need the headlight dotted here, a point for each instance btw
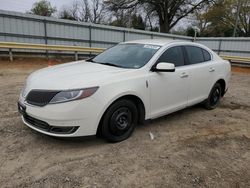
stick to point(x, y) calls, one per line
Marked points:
point(70, 95)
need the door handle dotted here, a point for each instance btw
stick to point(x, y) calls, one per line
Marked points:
point(211, 69)
point(184, 75)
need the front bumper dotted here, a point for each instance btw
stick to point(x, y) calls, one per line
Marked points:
point(44, 126)
point(71, 119)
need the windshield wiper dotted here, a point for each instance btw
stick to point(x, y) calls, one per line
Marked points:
point(90, 59)
point(110, 64)
point(102, 63)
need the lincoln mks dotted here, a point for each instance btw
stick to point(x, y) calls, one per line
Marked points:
point(108, 95)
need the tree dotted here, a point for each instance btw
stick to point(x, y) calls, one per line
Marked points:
point(190, 32)
point(85, 11)
point(121, 18)
point(169, 12)
point(43, 8)
point(70, 13)
point(91, 11)
point(201, 20)
point(244, 17)
point(151, 19)
point(220, 18)
point(137, 22)
point(65, 14)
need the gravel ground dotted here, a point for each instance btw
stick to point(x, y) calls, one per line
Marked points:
point(192, 148)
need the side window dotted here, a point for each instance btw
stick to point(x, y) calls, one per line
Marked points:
point(173, 55)
point(195, 54)
point(207, 55)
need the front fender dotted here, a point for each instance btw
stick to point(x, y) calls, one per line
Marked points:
point(108, 94)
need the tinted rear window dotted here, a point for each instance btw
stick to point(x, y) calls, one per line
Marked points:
point(207, 55)
point(195, 54)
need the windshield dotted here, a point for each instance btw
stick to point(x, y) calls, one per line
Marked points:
point(127, 55)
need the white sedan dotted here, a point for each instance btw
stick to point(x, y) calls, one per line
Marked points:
point(131, 82)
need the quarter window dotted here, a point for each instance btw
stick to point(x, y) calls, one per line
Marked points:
point(173, 55)
point(195, 54)
point(207, 56)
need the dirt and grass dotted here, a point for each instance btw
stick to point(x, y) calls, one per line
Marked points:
point(191, 148)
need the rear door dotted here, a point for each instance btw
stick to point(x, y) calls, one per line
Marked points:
point(201, 70)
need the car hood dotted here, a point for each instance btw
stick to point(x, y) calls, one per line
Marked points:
point(80, 74)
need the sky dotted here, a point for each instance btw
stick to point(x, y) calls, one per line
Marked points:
point(24, 5)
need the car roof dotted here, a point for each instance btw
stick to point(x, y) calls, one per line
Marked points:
point(163, 42)
point(160, 42)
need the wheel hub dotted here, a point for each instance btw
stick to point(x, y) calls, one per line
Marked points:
point(120, 121)
point(215, 96)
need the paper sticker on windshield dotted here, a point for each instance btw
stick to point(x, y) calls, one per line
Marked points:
point(151, 47)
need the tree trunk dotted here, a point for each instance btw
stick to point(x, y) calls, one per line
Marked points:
point(248, 30)
point(164, 26)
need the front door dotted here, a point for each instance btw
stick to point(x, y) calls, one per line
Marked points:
point(168, 90)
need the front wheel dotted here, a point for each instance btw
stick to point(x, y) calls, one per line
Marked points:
point(119, 121)
point(214, 97)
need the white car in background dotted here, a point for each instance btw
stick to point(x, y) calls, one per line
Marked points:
point(121, 87)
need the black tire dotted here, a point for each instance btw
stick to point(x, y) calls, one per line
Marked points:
point(119, 121)
point(214, 97)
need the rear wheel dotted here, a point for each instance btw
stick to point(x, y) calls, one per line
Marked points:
point(119, 121)
point(214, 97)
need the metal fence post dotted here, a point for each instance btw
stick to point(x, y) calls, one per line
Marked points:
point(11, 54)
point(219, 47)
point(124, 35)
point(76, 55)
point(45, 36)
point(90, 38)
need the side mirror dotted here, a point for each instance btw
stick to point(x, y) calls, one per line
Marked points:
point(164, 67)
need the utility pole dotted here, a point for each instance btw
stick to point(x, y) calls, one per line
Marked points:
point(237, 19)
